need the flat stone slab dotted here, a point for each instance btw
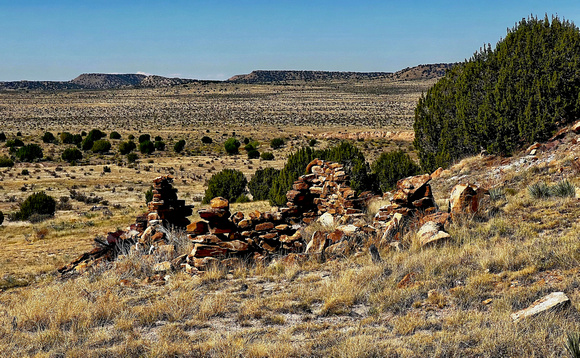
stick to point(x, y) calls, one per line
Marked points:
point(552, 301)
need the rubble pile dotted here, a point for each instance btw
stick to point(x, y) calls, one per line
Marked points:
point(322, 196)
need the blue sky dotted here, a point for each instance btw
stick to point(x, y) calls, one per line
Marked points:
point(60, 39)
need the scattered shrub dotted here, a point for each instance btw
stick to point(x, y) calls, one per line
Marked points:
point(232, 145)
point(295, 167)
point(496, 193)
point(101, 146)
point(24, 172)
point(253, 154)
point(246, 140)
point(14, 143)
point(37, 203)
point(48, 137)
point(77, 139)
point(276, 143)
point(1, 217)
point(206, 140)
point(249, 146)
point(29, 153)
point(131, 137)
point(159, 145)
point(539, 190)
point(6, 162)
point(144, 138)
point(127, 147)
point(563, 189)
point(178, 147)
point(2, 137)
point(114, 135)
point(149, 195)
point(158, 138)
point(71, 154)
point(312, 142)
point(392, 166)
point(132, 157)
point(67, 138)
point(95, 135)
point(87, 144)
point(267, 156)
point(106, 169)
point(146, 147)
point(228, 183)
point(261, 183)
point(573, 344)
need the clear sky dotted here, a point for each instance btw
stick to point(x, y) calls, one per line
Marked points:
point(60, 39)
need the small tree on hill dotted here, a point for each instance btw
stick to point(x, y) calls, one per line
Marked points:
point(178, 147)
point(146, 147)
point(37, 203)
point(261, 183)
point(232, 145)
point(392, 166)
point(29, 153)
point(228, 183)
point(48, 137)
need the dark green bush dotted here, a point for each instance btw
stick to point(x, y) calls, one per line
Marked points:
point(2, 137)
point(48, 137)
point(392, 166)
point(37, 203)
point(206, 140)
point(1, 217)
point(149, 195)
point(261, 183)
point(14, 143)
point(101, 146)
point(71, 154)
point(158, 138)
point(246, 140)
point(503, 98)
point(249, 146)
point(228, 183)
point(146, 147)
point(312, 142)
point(95, 135)
point(132, 157)
point(267, 156)
point(159, 145)
point(114, 135)
point(144, 138)
point(66, 138)
point(87, 144)
point(24, 172)
point(295, 167)
point(127, 147)
point(29, 153)
point(253, 154)
point(77, 139)
point(6, 162)
point(178, 147)
point(232, 145)
point(131, 137)
point(276, 143)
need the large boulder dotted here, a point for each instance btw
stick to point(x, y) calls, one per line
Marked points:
point(466, 199)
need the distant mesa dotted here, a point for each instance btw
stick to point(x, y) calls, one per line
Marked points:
point(97, 81)
point(274, 76)
point(104, 81)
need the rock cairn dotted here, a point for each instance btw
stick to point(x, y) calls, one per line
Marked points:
point(323, 190)
point(165, 210)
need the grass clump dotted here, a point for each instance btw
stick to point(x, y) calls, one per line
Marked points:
point(562, 189)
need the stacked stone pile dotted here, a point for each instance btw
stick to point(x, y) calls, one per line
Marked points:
point(413, 207)
point(324, 189)
point(222, 235)
point(148, 231)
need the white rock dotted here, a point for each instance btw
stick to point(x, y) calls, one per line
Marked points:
point(552, 301)
point(326, 219)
